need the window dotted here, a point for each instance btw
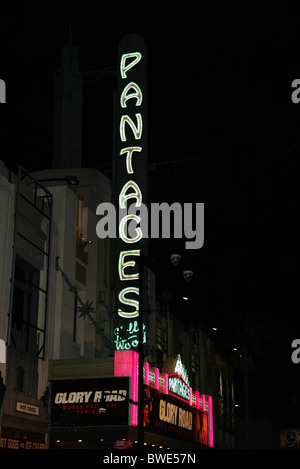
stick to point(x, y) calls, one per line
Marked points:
point(25, 305)
point(194, 369)
point(161, 345)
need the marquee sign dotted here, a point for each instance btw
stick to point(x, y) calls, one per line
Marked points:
point(170, 417)
point(90, 402)
point(170, 404)
point(130, 181)
point(178, 387)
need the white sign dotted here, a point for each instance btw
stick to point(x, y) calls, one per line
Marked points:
point(2, 351)
point(2, 91)
point(27, 408)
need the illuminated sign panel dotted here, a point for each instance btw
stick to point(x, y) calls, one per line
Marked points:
point(130, 183)
point(171, 417)
point(178, 387)
point(90, 402)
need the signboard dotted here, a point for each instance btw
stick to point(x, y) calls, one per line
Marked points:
point(178, 387)
point(27, 408)
point(90, 402)
point(20, 443)
point(130, 187)
point(174, 418)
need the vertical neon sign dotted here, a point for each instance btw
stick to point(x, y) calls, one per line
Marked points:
point(130, 186)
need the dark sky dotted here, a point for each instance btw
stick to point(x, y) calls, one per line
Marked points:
point(222, 130)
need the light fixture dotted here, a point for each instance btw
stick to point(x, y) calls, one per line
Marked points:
point(175, 259)
point(185, 298)
point(214, 329)
point(188, 275)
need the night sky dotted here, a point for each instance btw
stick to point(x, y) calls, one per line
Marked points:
point(222, 130)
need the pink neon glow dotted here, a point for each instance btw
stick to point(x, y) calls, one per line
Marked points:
point(210, 421)
point(197, 400)
point(147, 373)
point(135, 387)
point(156, 378)
point(126, 364)
point(166, 383)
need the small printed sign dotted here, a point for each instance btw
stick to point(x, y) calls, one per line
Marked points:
point(27, 408)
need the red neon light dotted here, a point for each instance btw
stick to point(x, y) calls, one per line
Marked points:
point(197, 400)
point(135, 387)
point(126, 364)
point(191, 396)
point(156, 378)
point(210, 421)
point(147, 373)
point(166, 383)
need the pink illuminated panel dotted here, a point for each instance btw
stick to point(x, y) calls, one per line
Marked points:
point(166, 384)
point(147, 373)
point(197, 400)
point(126, 364)
point(135, 387)
point(157, 383)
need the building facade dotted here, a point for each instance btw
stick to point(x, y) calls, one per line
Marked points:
point(58, 324)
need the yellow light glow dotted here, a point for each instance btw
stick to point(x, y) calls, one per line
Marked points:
point(136, 194)
point(136, 129)
point(123, 265)
point(123, 67)
point(137, 94)
point(129, 302)
point(129, 151)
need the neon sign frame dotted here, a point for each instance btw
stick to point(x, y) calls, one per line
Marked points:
point(130, 181)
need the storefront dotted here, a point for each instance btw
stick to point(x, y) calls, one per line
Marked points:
point(25, 428)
